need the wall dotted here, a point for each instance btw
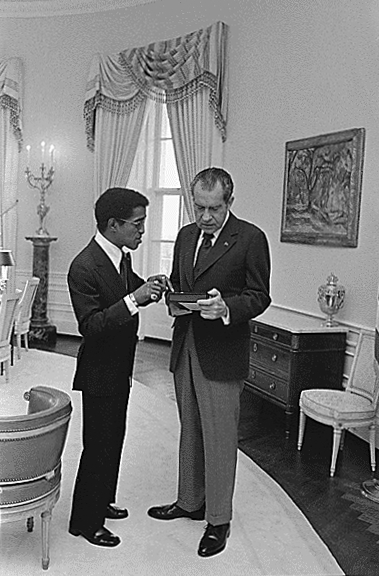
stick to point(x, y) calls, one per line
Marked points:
point(297, 69)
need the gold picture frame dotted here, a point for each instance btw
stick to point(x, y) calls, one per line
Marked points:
point(322, 189)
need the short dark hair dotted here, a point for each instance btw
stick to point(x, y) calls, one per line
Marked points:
point(117, 203)
point(209, 177)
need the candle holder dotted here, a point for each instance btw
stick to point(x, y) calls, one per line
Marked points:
point(331, 298)
point(41, 183)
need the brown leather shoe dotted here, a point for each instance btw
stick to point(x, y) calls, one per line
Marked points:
point(173, 511)
point(214, 540)
point(102, 537)
point(115, 513)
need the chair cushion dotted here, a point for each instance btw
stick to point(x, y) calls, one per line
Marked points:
point(336, 404)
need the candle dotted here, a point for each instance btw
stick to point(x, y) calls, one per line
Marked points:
point(43, 152)
point(28, 155)
point(51, 152)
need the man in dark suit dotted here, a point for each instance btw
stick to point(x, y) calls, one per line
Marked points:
point(227, 258)
point(105, 294)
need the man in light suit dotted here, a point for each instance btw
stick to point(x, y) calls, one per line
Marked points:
point(227, 258)
point(105, 294)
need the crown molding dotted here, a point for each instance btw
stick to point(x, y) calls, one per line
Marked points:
point(41, 8)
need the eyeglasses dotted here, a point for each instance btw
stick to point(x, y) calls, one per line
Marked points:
point(139, 225)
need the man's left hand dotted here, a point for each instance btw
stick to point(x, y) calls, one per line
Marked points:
point(214, 307)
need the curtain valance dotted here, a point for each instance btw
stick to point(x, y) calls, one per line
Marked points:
point(10, 93)
point(166, 71)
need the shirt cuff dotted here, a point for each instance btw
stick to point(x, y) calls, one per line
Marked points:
point(133, 309)
point(226, 319)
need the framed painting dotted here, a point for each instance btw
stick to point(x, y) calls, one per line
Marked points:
point(322, 189)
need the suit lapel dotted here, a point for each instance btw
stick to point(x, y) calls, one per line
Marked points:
point(189, 254)
point(228, 237)
point(107, 270)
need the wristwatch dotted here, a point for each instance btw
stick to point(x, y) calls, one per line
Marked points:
point(133, 300)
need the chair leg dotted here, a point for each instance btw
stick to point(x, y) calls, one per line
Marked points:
point(45, 526)
point(26, 342)
point(18, 340)
point(6, 370)
point(372, 447)
point(337, 432)
point(302, 421)
point(342, 443)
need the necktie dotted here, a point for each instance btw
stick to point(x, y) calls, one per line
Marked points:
point(124, 269)
point(204, 250)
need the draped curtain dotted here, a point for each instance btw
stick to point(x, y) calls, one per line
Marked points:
point(10, 146)
point(189, 74)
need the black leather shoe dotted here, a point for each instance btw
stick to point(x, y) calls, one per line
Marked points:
point(173, 511)
point(214, 540)
point(115, 513)
point(102, 537)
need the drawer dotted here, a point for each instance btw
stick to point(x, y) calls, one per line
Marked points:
point(271, 333)
point(268, 384)
point(273, 359)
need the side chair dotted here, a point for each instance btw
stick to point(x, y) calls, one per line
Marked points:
point(8, 309)
point(24, 313)
point(353, 407)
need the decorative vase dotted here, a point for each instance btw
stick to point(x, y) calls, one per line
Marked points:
point(331, 298)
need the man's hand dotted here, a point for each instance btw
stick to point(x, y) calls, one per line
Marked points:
point(152, 290)
point(161, 280)
point(214, 307)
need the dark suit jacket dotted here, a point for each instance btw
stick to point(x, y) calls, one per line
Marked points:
point(106, 355)
point(239, 267)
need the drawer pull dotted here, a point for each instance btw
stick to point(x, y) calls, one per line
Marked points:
point(274, 357)
point(272, 386)
point(255, 347)
point(253, 374)
point(275, 336)
point(255, 329)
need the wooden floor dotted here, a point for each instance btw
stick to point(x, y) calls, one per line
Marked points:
point(346, 521)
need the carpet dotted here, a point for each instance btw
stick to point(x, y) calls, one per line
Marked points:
point(270, 536)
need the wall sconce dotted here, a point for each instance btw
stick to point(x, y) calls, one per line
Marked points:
point(41, 183)
point(6, 260)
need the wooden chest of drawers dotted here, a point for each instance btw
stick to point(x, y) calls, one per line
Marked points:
point(290, 352)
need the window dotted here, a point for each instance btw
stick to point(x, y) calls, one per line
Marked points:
point(155, 174)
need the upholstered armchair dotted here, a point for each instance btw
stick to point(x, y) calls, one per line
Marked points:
point(31, 447)
point(354, 407)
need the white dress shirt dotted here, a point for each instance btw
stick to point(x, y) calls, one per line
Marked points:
point(225, 319)
point(115, 255)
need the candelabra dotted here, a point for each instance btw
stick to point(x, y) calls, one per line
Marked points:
point(41, 331)
point(41, 183)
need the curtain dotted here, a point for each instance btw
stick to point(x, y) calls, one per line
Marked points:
point(116, 146)
point(196, 141)
point(10, 146)
point(191, 69)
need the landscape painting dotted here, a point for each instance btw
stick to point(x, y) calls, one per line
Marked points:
point(322, 189)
